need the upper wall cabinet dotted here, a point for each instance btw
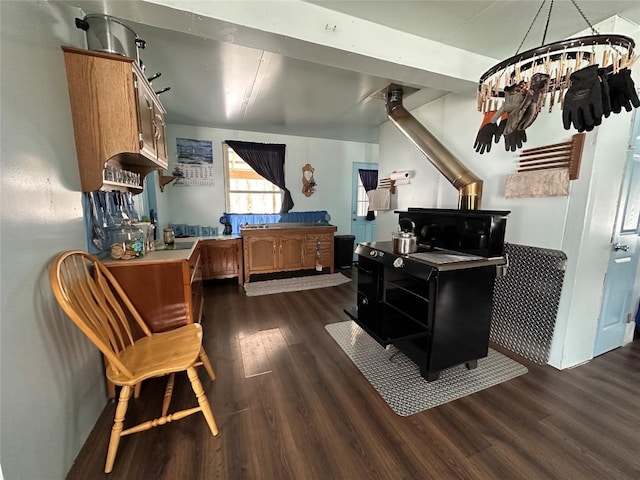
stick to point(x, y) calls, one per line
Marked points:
point(117, 118)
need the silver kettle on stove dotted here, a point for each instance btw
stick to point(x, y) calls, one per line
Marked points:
point(404, 239)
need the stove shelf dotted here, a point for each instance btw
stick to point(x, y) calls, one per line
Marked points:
point(390, 327)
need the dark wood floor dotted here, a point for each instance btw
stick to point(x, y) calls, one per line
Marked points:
point(314, 416)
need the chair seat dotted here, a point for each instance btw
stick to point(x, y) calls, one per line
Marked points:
point(159, 354)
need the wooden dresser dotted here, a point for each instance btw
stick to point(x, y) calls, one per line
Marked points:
point(282, 247)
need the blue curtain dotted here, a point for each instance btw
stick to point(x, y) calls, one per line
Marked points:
point(268, 160)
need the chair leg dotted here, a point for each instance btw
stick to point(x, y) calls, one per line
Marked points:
point(136, 390)
point(207, 364)
point(116, 430)
point(168, 392)
point(202, 400)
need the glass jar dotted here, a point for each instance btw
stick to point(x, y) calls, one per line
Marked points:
point(127, 241)
point(146, 229)
point(168, 236)
point(151, 238)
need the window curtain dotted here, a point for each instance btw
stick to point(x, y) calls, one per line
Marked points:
point(369, 180)
point(268, 160)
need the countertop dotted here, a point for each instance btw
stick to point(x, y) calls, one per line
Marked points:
point(164, 254)
point(233, 236)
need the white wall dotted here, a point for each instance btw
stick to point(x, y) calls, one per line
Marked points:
point(332, 160)
point(52, 387)
point(454, 120)
point(580, 225)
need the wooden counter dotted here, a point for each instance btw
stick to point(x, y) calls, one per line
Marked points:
point(165, 286)
point(283, 247)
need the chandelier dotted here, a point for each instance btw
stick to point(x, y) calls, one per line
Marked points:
point(541, 78)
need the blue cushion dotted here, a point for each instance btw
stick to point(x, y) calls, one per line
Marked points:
point(237, 219)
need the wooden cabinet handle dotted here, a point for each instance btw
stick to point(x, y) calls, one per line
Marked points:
point(157, 122)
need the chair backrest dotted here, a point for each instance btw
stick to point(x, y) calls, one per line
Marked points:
point(92, 298)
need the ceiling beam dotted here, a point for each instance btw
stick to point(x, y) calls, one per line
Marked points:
point(309, 32)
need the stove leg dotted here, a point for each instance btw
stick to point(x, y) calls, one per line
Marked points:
point(472, 364)
point(430, 376)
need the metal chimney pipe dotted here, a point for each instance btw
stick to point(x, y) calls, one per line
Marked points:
point(468, 185)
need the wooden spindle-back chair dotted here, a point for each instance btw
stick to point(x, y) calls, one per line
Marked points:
point(92, 298)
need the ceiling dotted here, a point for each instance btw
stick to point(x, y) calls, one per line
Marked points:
point(226, 75)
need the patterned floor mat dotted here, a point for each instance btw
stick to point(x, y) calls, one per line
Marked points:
point(294, 284)
point(398, 381)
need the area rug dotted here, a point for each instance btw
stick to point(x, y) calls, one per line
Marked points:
point(397, 379)
point(269, 287)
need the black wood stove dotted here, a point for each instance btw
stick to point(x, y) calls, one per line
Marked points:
point(434, 305)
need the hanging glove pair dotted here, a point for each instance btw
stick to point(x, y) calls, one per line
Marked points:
point(583, 106)
point(527, 112)
point(490, 131)
point(522, 103)
point(594, 94)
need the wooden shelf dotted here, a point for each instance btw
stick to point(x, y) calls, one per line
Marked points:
point(165, 180)
point(125, 187)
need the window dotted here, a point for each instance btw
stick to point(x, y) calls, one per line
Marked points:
point(362, 200)
point(247, 191)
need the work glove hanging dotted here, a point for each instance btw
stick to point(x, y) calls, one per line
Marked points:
point(583, 100)
point(489, 132)
point(515, 97)
point(514, 140)
point(622, 91)
point(604, 90)
point(538, 88)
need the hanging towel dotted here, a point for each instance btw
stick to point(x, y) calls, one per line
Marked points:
point(384, 183)
point(379, 199)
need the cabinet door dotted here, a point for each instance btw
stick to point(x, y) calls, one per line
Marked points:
point(222, 260)
point(204, 260)
point(291, 252)
point(146, 119)
point(261, 254)
point(311, 244)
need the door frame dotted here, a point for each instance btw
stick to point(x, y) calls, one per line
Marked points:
point(355, 219)
point(611, 335)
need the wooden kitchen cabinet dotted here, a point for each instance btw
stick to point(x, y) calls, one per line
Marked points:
point(281, 249)
point(167, 292)
point(117, 118)
point(274, 253)
point(222, 258)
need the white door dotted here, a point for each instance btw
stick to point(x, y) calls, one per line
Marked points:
point(623, 264)
point(364, 230)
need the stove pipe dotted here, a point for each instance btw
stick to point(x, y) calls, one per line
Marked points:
point(469, 186)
